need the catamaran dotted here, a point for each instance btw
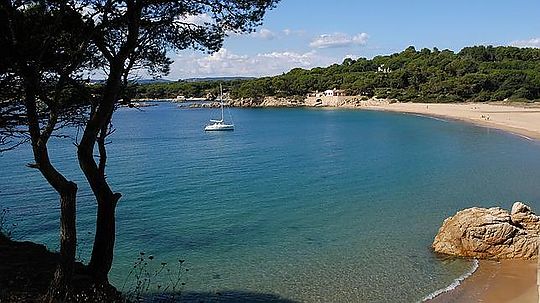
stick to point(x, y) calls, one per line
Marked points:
point(219, 125)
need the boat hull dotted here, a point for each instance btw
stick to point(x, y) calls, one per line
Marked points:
point(222, 127)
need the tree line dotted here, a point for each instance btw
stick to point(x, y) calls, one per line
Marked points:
point(477, 73)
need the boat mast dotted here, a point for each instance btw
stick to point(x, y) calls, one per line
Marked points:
point(221, 99)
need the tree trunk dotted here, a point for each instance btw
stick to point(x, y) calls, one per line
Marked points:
point(67, 190)
point(103, 250)
point(60, 286)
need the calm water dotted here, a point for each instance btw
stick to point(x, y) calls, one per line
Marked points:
point(308, 205)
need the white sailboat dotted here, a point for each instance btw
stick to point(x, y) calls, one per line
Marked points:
point(219, 125)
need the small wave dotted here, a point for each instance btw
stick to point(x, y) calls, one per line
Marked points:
point(430, 117)
point(454, 284)
point(524, 137)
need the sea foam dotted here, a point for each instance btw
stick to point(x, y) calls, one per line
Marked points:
point(454, 284)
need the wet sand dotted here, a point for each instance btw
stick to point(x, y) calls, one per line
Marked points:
point(508, 281)
point(523, 120)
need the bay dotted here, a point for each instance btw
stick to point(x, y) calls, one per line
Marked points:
point(310, 205)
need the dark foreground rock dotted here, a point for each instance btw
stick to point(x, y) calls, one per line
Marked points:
point(490, 233)
point(27, 268)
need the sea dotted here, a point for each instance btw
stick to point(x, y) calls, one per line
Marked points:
point(294, 205)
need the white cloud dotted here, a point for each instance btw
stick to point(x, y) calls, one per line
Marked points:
point(278, 62)
point(223, 60)
point(200, 19)
point(351, 56)
point(227, 63)
point(264, 33)
point(339, 40)
point(361, 39)
point(534, 42)
point(293, 32)
point(267, 34)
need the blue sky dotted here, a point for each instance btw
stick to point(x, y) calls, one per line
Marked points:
point(303, 33)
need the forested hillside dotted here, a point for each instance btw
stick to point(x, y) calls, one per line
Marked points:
point(479, 73)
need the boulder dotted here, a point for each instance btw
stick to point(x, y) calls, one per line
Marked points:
point(523, 216)
point(490, 233)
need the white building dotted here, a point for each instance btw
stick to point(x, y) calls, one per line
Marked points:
point(329, 92)
point(384, 70)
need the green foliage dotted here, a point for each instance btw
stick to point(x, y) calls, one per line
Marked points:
point(478, 73)
point(44, 50)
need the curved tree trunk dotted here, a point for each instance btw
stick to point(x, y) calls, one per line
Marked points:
point(102, 252)
point(95, 132)
point(67, 190)
point(59, 288)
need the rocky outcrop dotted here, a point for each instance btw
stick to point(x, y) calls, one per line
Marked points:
point(300, 101)
point(490, 233)
point(201, 105)
point(294, 101)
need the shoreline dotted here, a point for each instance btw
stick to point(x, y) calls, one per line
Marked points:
point(504, 281)
point(441, 292)
point(518, 120)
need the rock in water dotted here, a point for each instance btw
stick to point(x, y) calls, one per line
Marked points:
point(490, 233)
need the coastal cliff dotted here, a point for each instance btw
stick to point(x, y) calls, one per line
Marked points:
point(490, 233)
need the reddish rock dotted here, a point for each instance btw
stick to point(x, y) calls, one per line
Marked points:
point(490, 233)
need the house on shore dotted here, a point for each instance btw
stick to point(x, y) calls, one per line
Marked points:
point(383, 69)
point(331, 97)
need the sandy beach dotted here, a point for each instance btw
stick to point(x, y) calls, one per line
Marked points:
point(522, 120)
point(508, 281)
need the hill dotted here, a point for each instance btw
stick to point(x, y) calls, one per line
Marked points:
point(478, 73)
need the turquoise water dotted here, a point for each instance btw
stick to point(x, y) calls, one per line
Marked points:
point(305, 204)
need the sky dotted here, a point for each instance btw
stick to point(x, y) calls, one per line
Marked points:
point(307, 34)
